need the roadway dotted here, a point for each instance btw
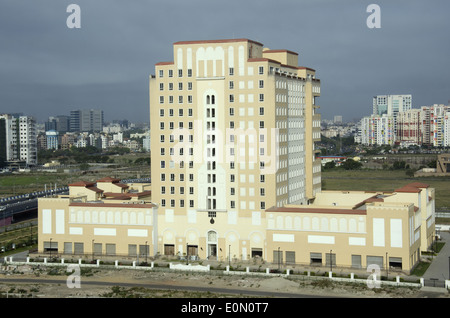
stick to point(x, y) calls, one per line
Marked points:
point(21, 203)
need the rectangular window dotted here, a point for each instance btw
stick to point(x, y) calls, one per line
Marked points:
point(180, 73)
point(161, 73)
point(189, 72)
point(231, 71)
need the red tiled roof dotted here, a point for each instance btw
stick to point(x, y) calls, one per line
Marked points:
point(413, 187)
point(95, 189)
point(108, 179)
point(419, 185)
point(165, 63)
point(82, 184)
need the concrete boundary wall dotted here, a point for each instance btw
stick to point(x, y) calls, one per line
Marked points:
point(372, 282)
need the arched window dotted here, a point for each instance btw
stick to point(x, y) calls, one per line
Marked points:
point(212, 236)
point(208, 100)
point(213, 99)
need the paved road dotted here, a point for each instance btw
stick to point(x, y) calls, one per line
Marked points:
point(439, 267)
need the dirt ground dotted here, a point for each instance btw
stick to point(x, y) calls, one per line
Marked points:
point(141, 285)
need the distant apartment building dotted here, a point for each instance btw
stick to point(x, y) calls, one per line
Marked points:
point(52, 139)
point(377, 130)
point(90, 120)
point(18, 139)
point(391, 104)
point(67, 140)
point(58, 123)
point(410, 128)
point(428, 125)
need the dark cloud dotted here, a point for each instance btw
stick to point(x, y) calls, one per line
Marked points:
point(47, 69)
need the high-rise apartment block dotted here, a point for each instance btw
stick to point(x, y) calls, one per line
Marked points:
point(377, 130)
point(233, 132)
point(18, 139)
point(391, 105)
point(429, 125)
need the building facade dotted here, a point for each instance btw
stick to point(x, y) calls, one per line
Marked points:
point(355, 229)
point(86, 120)
point(18, 141)
point(233, 132)
point(103, 218)
point(377, 130)
point(428, 125)
point(339, 228)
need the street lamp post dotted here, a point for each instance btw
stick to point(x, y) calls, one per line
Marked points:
point(387, 267)
point(50, 249)
point(187, 253)
point(331, 260)
point(278, 259)
point(146, 252)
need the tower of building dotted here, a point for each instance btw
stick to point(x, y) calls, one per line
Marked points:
point(233, 132)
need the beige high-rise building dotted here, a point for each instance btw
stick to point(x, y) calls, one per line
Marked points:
point(233, 128)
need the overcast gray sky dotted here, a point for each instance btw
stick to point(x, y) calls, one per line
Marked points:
point(47, 69)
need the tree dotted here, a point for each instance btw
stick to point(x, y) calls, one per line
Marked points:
point(399, 165)
point(329, 165)
point(351, 164)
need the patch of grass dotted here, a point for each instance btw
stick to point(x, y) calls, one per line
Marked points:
point(420, 269)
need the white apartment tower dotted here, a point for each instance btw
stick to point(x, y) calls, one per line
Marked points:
point(19, 139)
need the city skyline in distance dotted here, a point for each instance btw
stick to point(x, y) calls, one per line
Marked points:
point(48, 69)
